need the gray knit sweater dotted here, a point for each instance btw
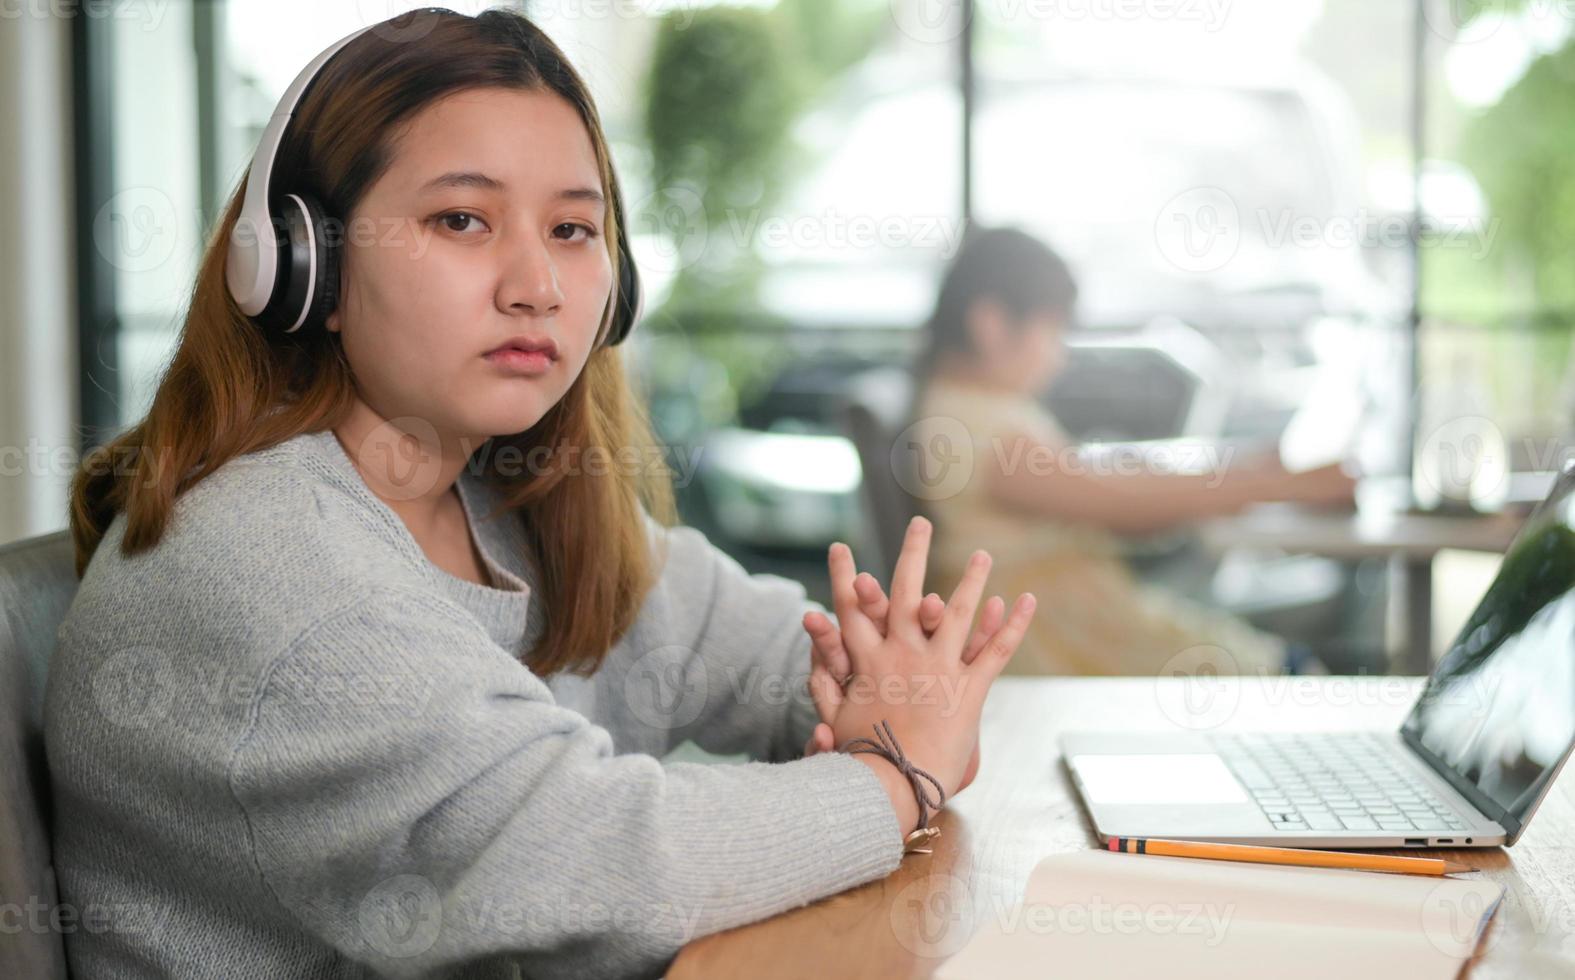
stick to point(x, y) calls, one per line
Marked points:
point(283, 743)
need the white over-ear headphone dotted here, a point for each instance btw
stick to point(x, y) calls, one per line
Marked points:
point(310, 280)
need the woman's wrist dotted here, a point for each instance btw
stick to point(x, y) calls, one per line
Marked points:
point(898, 790)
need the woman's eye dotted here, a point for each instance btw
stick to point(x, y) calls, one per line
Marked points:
point(575, 226)
point(449, 220)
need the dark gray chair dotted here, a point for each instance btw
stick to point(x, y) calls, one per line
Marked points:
point(874, 413)
point(37, 582)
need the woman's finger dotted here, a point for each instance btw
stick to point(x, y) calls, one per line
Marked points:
point(1000, 647)
point(931, 611)
point(856, 627)
point(825, 692)
point(989, 621)
point(825, 644)
point(820, 740)
point(958, 617)
point(907, 580)
point(825, 740)
point(824, 687)
point(872, 599)
point(839, 562)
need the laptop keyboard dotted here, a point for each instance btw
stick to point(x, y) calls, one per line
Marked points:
point(1332, 782)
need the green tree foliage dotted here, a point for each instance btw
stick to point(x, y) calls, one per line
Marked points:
point(723, 91)
point(726, 85)
point(725, 88)
point(1522, 151)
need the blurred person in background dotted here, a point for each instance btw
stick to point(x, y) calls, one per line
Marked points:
point(1051, 521)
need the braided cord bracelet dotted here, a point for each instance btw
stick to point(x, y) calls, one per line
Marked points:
point(885, 745)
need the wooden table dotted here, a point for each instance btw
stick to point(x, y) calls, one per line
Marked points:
point(1022, 808)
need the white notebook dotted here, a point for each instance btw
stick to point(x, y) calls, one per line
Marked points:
point(1098, 913)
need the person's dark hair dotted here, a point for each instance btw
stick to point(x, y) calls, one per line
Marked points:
point(1007, 265)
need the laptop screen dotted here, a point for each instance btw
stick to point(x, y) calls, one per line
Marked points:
point(1499, 709)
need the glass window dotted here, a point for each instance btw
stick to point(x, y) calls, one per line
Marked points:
point(1228, 168)
point(151, 230)
point(1498, 290)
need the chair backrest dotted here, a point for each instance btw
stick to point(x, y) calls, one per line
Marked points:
point(874, 413)
point(37, 582)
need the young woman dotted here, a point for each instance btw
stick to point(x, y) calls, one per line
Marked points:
point(1048, 519)
point(381, 632)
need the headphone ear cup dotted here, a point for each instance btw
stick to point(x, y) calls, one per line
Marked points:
point(325, 297)
point(312, 278)
point(629, 302)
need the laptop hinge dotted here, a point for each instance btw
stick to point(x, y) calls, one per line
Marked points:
point(1485, 804)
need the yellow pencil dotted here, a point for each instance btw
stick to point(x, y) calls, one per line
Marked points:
point(1286, 855)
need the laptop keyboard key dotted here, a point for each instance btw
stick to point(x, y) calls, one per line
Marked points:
point(1331, 782)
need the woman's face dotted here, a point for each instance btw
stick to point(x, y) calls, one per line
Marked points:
point(1041, 352)
point(486, 227)
point(1022, 353)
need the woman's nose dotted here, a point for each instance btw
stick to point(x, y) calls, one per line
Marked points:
point(530, 280)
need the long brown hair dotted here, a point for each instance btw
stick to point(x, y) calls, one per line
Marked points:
point(232, 389)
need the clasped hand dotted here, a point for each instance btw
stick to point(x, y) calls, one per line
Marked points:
point(910, 660)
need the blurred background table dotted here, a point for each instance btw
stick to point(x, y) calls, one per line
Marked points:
point(1381, 527)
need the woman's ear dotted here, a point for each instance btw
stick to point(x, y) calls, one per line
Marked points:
point(334, 321)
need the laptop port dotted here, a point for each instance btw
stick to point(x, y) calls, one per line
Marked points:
point(1446, 840)
point(1416, 842)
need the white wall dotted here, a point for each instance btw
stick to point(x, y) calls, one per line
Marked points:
point(38, 445)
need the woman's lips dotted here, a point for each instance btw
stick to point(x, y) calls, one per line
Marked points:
point(522, 362)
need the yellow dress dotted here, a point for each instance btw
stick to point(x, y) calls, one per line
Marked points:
point(1093, 615)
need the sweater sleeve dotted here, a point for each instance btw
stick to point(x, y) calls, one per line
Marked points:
point(416, 799)
point(745, 676)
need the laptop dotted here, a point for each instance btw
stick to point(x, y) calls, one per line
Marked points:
point(1468, 767)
